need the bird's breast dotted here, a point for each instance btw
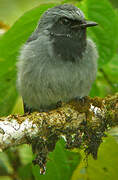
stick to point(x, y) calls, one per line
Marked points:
point(68, 48)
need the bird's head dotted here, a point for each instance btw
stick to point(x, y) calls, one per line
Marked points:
point(66, 26)
point(64, 20)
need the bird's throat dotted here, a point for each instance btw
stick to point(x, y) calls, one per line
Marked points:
point(70, 48)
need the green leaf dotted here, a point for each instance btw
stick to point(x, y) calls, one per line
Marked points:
point(112, 70)
point(61, 164)
point(107, 79)
point(5, 166)
point(105, 34)
point(3, 169)
point(95, 90)
point(106, 165)
point(25, 172)
point(10, 44)
point(25, 153)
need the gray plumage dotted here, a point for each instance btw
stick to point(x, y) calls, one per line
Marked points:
point(58, 62)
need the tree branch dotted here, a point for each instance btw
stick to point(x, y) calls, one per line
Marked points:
point(81, 123)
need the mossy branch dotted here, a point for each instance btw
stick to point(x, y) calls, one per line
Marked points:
point(81, 123)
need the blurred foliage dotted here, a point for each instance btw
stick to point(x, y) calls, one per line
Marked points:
point(104, 168)
point(16, 163)
point(115, 3)
point(11, 10)
point(61, 164)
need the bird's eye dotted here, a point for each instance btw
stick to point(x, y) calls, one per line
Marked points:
point(65, 21)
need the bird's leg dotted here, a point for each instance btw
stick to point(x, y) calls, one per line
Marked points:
point(27, 109)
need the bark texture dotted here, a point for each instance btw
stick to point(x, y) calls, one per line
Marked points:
point(81, 123)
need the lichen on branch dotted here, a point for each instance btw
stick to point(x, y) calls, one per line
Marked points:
point(81, 123)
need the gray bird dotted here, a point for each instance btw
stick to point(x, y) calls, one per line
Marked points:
point(57, 63)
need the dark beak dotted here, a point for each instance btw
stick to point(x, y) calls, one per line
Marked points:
point(88, 24)
point(85, 24)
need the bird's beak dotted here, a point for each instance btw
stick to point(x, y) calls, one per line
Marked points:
point(85, 24)
point(88, 24)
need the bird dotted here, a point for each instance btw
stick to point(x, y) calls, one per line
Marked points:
point(58, 63)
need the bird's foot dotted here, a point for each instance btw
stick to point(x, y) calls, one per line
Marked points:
point(80, 99)
point(59, 104)
point(51, 107)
